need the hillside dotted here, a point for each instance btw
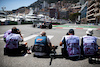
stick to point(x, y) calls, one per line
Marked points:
point(38, 4)
point(71, 1)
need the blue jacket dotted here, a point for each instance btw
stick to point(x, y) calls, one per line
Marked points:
point(41, 40)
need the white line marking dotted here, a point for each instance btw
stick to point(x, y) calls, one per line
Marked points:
point(29, 37)
point(98, 37)
point(22, 34)
point(81, 37)
point(26, 55)
point(32, 36)
point(1, 35)
point(69, 28)
point(1, 39)
point(50, 36)
point(89, 28)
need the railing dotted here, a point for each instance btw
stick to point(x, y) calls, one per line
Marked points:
point(98, 14)
point(97, 3)
point(90, 10)
point(90, 15)
point(96, 9)
point(91, 6)
point(91, 19)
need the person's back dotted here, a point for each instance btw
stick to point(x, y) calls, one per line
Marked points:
point(71, 44)
point(41, 40)
point(41, 47)
point(90, 46)
point(13, 39)
point(89, 43)
point(9, 32)
point(6, 34)
point(12, 43)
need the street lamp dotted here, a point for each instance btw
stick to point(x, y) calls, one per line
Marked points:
point(3, 9)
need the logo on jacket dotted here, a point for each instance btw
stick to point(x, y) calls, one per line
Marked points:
point(39, 39)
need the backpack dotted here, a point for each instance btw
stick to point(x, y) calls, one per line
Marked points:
point(41, 45)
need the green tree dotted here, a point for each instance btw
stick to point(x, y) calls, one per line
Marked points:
point(74, 16)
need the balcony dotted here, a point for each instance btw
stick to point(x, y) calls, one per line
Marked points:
point(96, 9)
point(96, 15)
point(90, 10)
point(91, 2)
point(98, 0)
point(91, 6)
point(90, 15)
point(97, 3)
point(91, 19)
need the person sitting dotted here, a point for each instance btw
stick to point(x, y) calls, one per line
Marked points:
point(9, 32)
point(42, 45)
point(70, 45)
point(89, 45)
point(6, 34)
point(12, 41)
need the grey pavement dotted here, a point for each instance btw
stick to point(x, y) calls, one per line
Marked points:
point(30, 61)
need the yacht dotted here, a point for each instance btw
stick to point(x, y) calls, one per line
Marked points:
point(3, 16)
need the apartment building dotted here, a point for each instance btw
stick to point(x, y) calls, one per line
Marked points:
point(93, 12)
point(97, 11)
point(83, 11)
point(82, 2)
point(62, 14)
point(90, 12)
point(53, 12)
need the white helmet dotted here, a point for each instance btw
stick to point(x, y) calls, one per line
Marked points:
point(89, 31)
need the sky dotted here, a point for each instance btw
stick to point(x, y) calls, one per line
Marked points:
point(14, 4)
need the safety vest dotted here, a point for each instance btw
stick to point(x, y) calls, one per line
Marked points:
point(89, 45)
point(40, 44)
point(72, 45)
point(7, 33)
point(12, 41)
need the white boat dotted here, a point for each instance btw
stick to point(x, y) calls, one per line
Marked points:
point(3, 16)
point(31, 18)
point(14, 18)
point(44, 18)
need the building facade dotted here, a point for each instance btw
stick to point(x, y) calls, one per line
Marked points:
point(82, 2)
point(90, 12)
point(83, 12)
point(93, 12)
point(97, 11)
point(53, 12)
point(63, 14)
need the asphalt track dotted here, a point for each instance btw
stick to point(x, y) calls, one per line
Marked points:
point(55, 35)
